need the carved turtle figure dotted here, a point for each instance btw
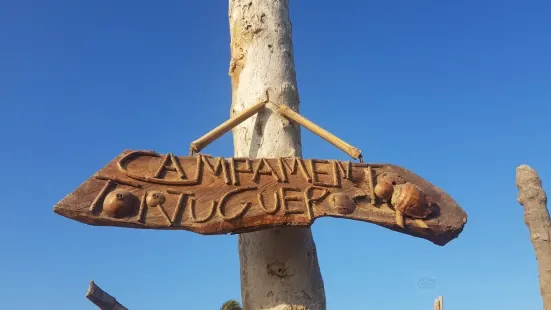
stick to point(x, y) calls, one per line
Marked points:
point(385, 185)
point(411, 201)
point(406, 198)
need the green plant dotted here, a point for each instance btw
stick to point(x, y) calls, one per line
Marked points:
point(231, 305)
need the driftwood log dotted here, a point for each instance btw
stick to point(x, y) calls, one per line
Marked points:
point(102, 299)
point(536, 217)
point(208, 195)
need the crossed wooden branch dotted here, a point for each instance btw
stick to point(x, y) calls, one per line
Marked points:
point(199, 144)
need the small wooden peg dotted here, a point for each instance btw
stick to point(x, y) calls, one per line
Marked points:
point(400, 219)
point(421, 223)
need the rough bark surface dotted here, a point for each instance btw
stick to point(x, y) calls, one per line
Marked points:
point(101, 299)
point(279, 267)
point(536, 216)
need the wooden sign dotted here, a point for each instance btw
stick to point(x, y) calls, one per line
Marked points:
point(212, 195)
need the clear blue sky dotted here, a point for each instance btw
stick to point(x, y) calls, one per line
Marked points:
point(457, 91)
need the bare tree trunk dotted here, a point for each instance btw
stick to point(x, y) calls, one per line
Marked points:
point(101, 299)
point(536, 216)
point(279, 267)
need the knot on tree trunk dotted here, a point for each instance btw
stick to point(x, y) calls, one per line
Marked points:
point(278, 270)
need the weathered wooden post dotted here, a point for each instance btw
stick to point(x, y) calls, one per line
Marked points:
point(267, 193)
point(279, 267)
point(536, 217)
point(439, 303)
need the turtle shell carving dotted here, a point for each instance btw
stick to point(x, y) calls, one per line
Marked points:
point(385, 185)
point(411, 201)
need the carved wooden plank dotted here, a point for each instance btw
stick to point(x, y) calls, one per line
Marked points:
point(208, 195)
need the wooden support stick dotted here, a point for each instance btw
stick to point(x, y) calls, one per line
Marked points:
point(199, 144)
point(101, 299)
point(327, 136)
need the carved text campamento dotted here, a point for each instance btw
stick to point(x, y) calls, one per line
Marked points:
point(281, 186)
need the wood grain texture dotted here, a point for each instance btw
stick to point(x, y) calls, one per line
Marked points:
point(210, 195)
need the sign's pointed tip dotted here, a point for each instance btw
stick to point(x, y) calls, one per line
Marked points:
point(56, 209)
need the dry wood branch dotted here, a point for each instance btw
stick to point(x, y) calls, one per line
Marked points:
point(102, 299)
point(326, 135)
point(536, 216)
point(201, 143)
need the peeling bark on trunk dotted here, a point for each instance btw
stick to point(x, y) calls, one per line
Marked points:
point(101, 299)
point(536, 216)
point(279, 267)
